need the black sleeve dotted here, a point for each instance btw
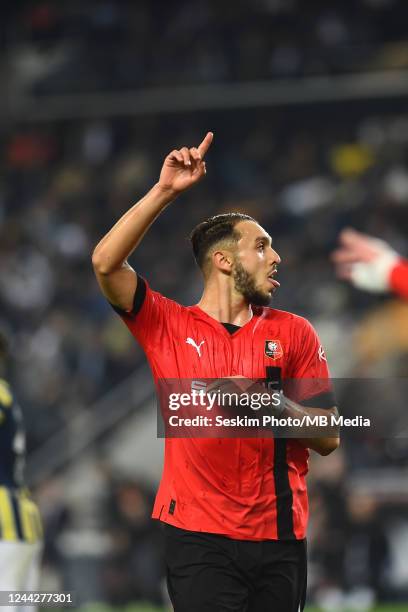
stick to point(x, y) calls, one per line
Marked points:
point(138, 300)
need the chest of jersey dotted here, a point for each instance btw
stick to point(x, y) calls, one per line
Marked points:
point(206, 349)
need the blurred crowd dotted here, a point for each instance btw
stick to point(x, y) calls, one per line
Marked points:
point(68, 47)
point(107, 549)
point(304, 172)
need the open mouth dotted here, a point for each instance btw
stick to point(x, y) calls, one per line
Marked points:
point(273, 280)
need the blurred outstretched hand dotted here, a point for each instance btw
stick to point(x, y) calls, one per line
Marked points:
point(366, 262)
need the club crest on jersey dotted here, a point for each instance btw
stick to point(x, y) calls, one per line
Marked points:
point(273, 349)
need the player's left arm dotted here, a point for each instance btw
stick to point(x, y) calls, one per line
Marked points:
point(313, 391)
point(309, 436)
point(324, 444)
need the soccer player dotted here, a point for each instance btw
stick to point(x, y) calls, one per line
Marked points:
point(370, 264)
point(234, 509)
point(20, 525)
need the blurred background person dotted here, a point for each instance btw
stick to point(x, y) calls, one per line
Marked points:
point(135, 566)
point(20, 524)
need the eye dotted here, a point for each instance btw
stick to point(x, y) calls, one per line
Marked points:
point(261, 247)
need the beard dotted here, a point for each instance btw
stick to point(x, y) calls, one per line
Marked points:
point(245, 285)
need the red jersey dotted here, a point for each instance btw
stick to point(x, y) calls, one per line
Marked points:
point(399, 278)
point(243, 488)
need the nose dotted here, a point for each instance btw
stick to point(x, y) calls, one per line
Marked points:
point(275, 257)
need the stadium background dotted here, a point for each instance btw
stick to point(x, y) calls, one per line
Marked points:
point(308, 103)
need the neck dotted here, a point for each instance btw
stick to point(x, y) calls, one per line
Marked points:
point(221, 302)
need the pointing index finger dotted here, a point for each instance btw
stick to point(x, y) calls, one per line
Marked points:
point(205, 145)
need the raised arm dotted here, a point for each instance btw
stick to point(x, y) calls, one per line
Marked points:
point(181, 169)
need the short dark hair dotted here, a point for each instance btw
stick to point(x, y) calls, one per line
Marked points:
point(213, 230)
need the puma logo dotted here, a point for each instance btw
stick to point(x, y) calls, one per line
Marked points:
point(197, 347)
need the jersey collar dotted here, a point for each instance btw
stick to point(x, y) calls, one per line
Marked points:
point(220, 327)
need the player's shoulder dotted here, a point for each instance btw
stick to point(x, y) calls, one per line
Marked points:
point(146, 296)
point(269, 314)
point(156, 294)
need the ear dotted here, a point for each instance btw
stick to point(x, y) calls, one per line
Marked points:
point(222, 260)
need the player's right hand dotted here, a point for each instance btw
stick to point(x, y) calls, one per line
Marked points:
point(184, 167)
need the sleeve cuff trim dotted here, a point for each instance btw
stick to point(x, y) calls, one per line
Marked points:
point(138, 300)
